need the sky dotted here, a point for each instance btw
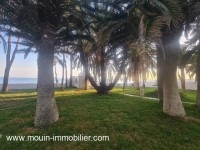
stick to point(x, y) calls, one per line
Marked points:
point(21, 67)
point(28, 67)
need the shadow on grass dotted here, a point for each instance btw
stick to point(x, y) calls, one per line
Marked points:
point(130, 123)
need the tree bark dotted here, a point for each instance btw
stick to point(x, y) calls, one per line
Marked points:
point(136, 74)
point(5, 79)
point(70, 78)
point(105, 88)
point(125, 81)
point(63, 72)
point(86, 82)
point(102, 89)
point(66, 76)
point(160, 70)
point(9, 62)
point(172, 104)
point(56, 75)
point(46, 108)
point(198, 78)
point(182, 78)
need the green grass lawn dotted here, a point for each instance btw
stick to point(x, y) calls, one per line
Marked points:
point(186, 96)
point(130, 123)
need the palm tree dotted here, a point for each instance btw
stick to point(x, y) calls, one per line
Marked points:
point(172, 103)
point(10, 57)
point(102, 37)
point(142, 62)
point(162, 21)
point(71, 69)
point(61, 61)
point(38, 22)
point(102, 61)
point(192, 56)
point(181, 71)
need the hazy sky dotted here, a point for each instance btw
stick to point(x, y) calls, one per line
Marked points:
point(21, 67)
point(27, 67)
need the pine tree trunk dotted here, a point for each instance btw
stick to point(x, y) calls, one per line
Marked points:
point(198, 79)
point(172, 104)
point(46, 108)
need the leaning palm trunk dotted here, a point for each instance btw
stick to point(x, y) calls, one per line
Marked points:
point(172, 104)
point(46, 109)
point(198, 79)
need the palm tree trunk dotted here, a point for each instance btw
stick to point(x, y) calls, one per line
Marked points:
point(56, 75)
point(160, 70)
point(182, 78)
point(63, 72)
point(103, 75)
point(5, 79)
point(136, 74)
point(172, 104)
point(9, 62)
point(70, 78)
point(84, 61)
point(198, 79)
point(86, 83)
point(46, 108)
point(125, 81)
point(66, 76)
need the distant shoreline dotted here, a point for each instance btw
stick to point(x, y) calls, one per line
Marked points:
point(21, 86)
point(190, 85)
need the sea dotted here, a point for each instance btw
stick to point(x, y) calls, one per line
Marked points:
point(19, 80)
point(190, 84)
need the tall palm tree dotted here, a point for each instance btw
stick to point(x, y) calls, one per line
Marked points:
point(163, 19)
point(181, 9)
point(192, 56)
point(38, 22)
